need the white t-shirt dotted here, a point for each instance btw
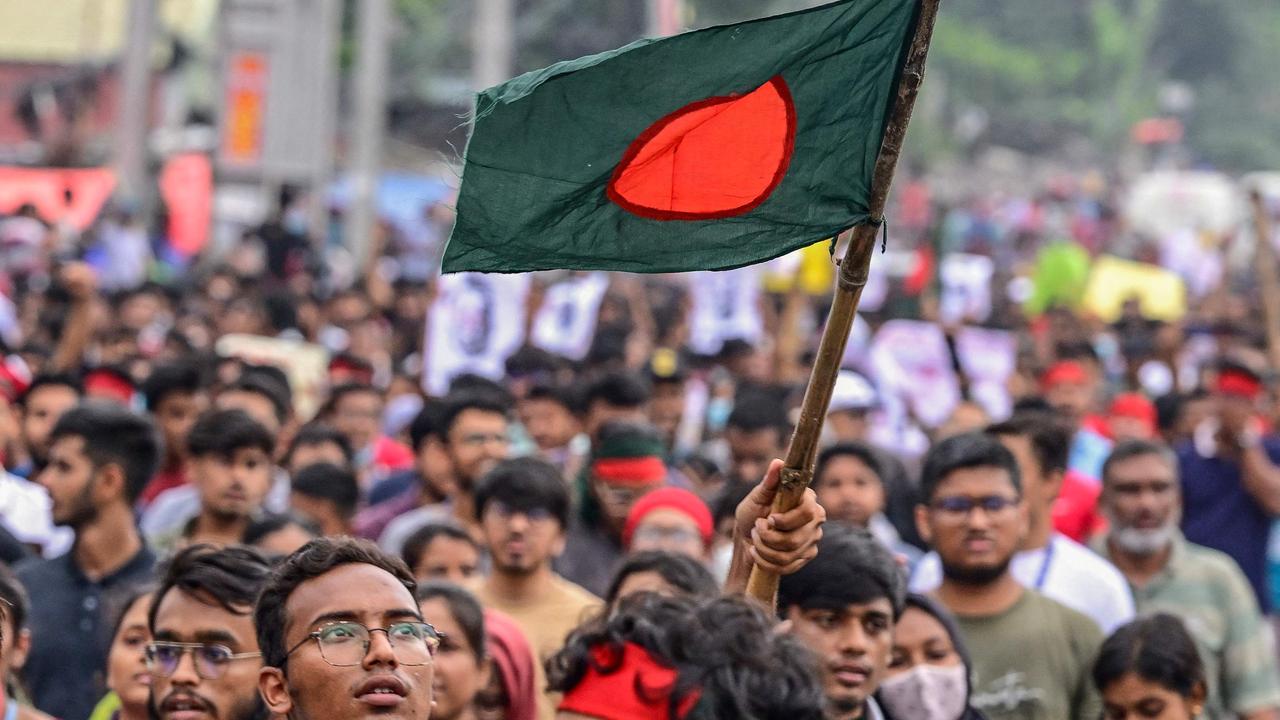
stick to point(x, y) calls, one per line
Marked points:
point(1069, 573)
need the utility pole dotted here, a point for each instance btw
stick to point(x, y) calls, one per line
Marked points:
point(492, 43)
point(373, 25)
point(135, 106)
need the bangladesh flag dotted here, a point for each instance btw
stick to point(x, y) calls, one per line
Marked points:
point(709, 150)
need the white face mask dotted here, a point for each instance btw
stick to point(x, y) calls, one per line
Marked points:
point(926, 692)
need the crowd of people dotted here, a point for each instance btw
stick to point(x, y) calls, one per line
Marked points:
point(543, 497)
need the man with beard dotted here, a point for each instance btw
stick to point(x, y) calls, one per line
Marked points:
point(100, 458)
point(1031, 655)
point(1142, 500)
point(1049, 562)
point(231, 469)
point(523, 509)
point(342, 637)
point(204, 657)
point(843, 606)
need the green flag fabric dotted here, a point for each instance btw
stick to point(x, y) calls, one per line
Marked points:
point(709, 150)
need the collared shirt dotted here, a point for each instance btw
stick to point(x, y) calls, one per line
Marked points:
point(1206, 589)
point(69, 626)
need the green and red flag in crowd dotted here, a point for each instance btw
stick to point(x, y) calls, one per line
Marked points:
point(709, 150)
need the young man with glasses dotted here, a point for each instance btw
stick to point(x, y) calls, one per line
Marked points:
point(523, 509)
point(342, 636)
point(204, 656)
point(1047, 561)
point(1031, 655)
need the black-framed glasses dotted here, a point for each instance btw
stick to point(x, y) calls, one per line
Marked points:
point(211, 660)
point(347, 643)
point(959, 507)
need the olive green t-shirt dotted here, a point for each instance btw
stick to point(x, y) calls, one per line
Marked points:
point(1033, 661)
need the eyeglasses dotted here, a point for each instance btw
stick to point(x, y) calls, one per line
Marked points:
point(211, 661)
point(959, 508)
point(347, 643)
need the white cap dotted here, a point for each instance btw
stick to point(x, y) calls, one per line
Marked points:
point(852, 392)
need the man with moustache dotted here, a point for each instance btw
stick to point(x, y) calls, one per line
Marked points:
point(1142, 501)
point(342, 636)
point(100, 458)
point(1031, 655)
point(204, 656)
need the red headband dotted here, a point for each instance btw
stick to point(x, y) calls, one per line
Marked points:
point(1067, 371)
point(108, 385)
point(630, 471)
point(636, 688)
point(677, 499)
point(1240, 384)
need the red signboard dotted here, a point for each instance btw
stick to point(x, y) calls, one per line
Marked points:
point(245, 119)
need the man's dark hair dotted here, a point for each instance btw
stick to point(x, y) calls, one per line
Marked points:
point(852, 567)
point(112, 434)
point(312, 560)
point(756, 411)
point(465, 609)
point(15, 602)
point(223, 432)
point(472, 384)
point(724, 649)
point(1157, 649)
point(853, 449)
point(961, 452)
point(680, 571)
point(258, 382)
point(561, 395)
point(1130, 449)
point(266, 525)
point(1032, 404)
point(429, 422)
point(325, 481)
point(618, 389)
point(1050, 437)
point(337, 394)
point(318, 433)
point(416, 544)
point(525, 484)
point(66, 380)
point(456, 404)
point(171, 378)
point(229, 578)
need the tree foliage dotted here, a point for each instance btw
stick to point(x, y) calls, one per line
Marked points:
point(1044, 75)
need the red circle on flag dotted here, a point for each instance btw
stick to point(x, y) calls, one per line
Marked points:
point(714, 158)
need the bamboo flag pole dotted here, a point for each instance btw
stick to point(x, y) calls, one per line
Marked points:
point(1268, 283)
point(797, 473)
